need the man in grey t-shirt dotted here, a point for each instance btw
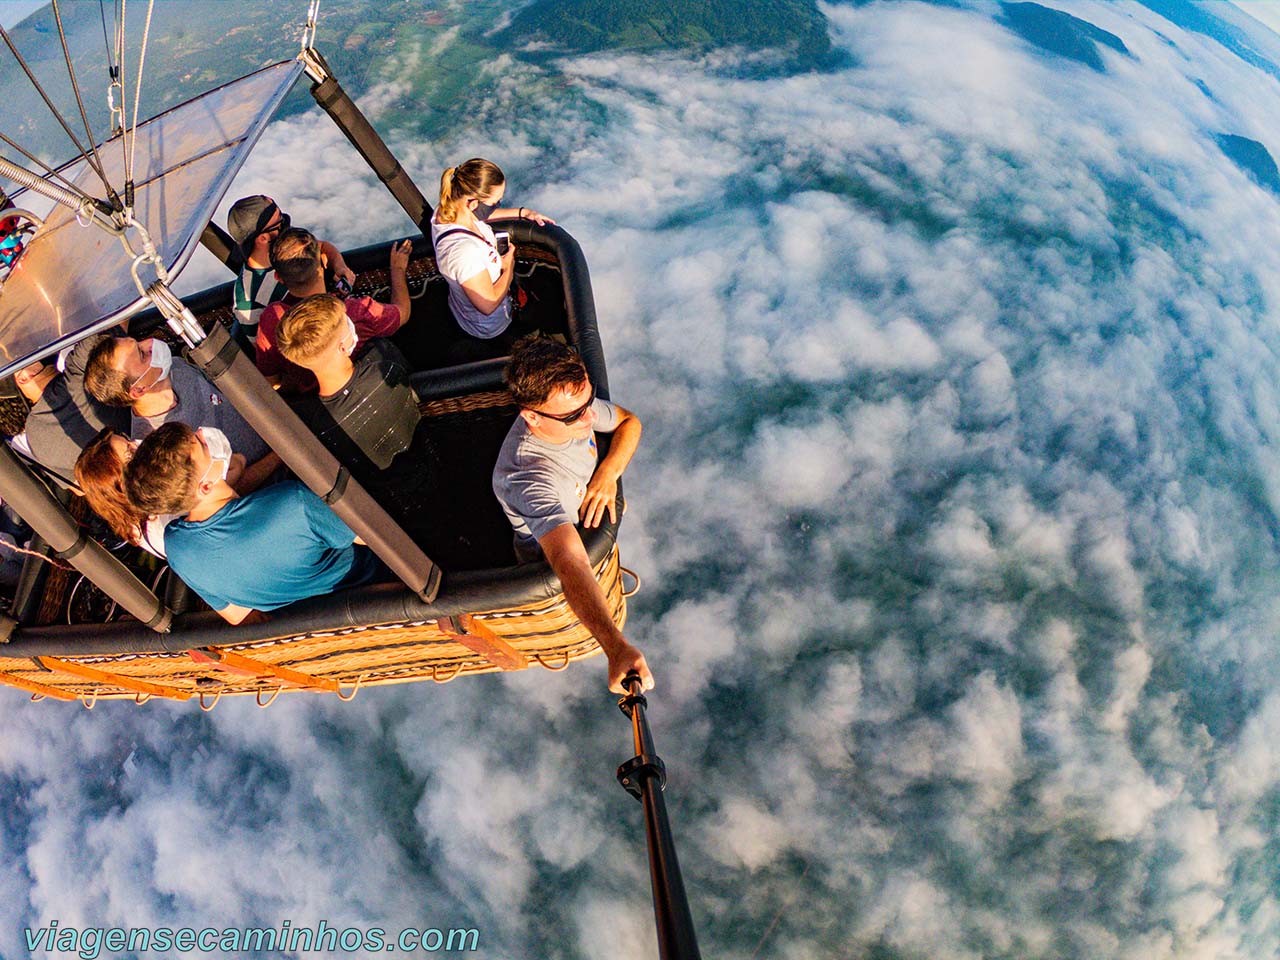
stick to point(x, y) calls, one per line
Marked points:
point(141, 375)
point(547, 478)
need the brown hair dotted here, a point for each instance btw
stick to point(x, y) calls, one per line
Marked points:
point(161, 477)
point(308, 329)
point(538, 366)
point(475, 178)
point(104, 382)
point(100, 474)
point(295, 255)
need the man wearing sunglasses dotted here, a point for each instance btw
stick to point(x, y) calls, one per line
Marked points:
point(548, 478)
point(253, 223)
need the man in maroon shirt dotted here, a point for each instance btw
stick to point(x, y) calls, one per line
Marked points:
point(299, 264)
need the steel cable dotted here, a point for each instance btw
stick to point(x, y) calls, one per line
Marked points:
point(4, 34)
point(96, 162)
point(124, 126)
point(47, 169)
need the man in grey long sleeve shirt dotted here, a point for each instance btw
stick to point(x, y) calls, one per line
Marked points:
point(64, 417)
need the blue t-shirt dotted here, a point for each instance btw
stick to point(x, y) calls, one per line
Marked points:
point(267, 549)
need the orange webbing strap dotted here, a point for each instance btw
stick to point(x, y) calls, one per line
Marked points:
point(114, 679)
point(32, 687)
point(478, 638)
point(239, 663)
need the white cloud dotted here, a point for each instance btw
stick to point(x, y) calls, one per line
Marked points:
point(986, 748)
point(955, 508)
point(747, 835)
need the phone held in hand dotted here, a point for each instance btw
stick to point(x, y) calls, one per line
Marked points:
point(501, 242)
point(342, 286)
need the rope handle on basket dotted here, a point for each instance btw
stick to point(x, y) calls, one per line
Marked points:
point(92, 702)
point(435, 673)
point(627, 571)
point(141, 698)
point(543, 663)
point(216, 698)
point(37, 697)
point(270, 700)
point(354, 690)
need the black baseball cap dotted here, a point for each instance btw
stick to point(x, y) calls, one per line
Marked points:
point(249, 217)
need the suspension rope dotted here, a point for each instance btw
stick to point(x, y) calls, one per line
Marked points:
point(120, 52)
point(118, 13)
point(4, 34)
point(75, 86)
point(309, 31)
point(102, 9)
point(116, 113)
point(137, 97)
point(86, 208)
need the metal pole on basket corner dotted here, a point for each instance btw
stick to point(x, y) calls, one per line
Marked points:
point(644, 776)
point(342, 110)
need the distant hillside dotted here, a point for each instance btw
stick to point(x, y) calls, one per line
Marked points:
point(795, 26)
point(1253, 158)
point(1059, 32)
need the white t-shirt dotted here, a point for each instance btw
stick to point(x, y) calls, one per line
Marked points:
point(460, 256)
point(151, 536)
point(19, 442)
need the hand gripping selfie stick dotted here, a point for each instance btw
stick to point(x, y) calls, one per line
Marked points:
point(644, 776)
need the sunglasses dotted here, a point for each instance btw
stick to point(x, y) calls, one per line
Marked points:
point(274, 230)
point(573, 416)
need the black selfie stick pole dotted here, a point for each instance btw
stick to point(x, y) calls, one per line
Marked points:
point(645, 777)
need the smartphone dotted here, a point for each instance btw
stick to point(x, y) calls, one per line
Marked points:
point(501, 242)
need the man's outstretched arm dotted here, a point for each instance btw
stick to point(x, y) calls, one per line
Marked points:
point(568, 558)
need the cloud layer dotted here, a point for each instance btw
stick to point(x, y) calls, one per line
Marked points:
point(956, 509)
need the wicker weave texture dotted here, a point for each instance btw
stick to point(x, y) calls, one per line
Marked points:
point(548, 633)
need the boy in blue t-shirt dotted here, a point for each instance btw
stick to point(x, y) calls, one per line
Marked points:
point(241, 554)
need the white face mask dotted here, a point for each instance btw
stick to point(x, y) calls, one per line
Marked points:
point(161, 358)
point(219, 453)
point(161, 362)
point(350, 347)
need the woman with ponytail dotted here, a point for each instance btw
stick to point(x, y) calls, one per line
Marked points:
point(467, 254)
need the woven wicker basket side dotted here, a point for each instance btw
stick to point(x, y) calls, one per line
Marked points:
point(548, 634)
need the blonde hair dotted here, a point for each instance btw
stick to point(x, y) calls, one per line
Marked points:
point(475, 178)
point(309, 328)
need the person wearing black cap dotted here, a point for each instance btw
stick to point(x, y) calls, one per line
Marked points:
point(253, 223)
